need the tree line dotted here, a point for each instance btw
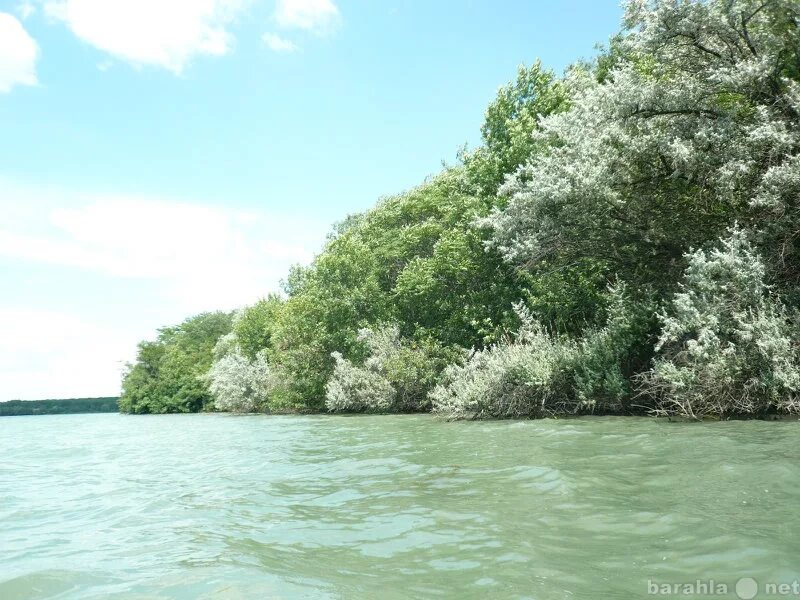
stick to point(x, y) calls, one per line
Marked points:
point(59, 407)
point(623, 240)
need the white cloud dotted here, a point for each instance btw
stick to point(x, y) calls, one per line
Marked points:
point(277, 43)
point(18, 53)
point(49, 354)
point(205, 257)
point(130, 264)
point(25, 9)
point(165, 33)
point(317, 16)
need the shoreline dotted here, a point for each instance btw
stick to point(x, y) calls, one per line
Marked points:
point(562, 417)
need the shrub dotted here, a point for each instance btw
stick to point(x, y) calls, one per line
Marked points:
point(396, 375)
point(239, 384)
point(520, 377)
point(726, 343)
point(537, 374)
point(606, 359)
point(357, 389)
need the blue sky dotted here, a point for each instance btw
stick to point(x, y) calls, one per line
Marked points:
point(163, 157)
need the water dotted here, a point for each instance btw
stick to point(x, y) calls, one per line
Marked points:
point(217, 506)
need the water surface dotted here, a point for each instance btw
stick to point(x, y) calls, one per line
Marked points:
point(219, 506)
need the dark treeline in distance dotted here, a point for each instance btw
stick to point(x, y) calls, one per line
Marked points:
point(625, 239)
point(59, 407)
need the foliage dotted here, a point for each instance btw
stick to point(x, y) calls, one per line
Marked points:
point(253, 326)
point(357, 389)
point(414, 260)
point(535, 373)
point(607, 358)
point(679, 140)
point(412, 367)
point(582, 204)
point(329, 301)
point(395, 377)
point(726, 346)
point(241, 384)
point(520, 377)
point(509, 122)
point(168, 375)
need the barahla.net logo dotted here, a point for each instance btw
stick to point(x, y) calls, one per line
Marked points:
point(745, 588)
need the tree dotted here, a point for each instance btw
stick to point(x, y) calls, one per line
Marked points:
point(253, 326)
point(168, 374)
point(679, 140)
point(509, 121)
point(414, 260)
point(584, 202)
point(328, 302)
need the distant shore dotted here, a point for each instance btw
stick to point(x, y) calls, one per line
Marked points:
point(61, 406)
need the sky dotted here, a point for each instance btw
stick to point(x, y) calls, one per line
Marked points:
point(160, 158)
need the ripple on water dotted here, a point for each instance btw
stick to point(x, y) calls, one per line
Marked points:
point(214, 506)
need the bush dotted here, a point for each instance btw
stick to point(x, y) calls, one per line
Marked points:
point(239, 384)
point(726, 344)
point(607, 359)
point(537, 374)
point(396, 376)
point(357, 389)
point(521, 377)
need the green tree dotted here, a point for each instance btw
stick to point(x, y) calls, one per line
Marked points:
point(254, 325)
point(509, 122)
point(169, 373)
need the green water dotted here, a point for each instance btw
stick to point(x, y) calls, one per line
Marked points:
point(216, 506)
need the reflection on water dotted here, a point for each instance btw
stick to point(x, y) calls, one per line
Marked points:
point(218, 506)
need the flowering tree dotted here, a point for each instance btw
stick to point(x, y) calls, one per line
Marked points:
point(695, 125)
